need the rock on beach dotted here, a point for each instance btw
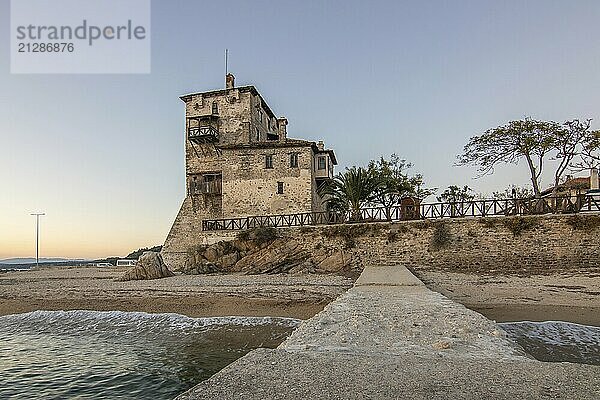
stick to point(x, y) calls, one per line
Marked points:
point(149, 266)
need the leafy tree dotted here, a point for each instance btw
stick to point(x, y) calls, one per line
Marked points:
point(421, 192)
point(590, 152)
point(351, 190)
point(396, 184)
point(514, 192)
point(527, 138)
point(456, 194)
point(569, 142)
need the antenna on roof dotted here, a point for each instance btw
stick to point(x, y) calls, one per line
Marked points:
point(226, 60)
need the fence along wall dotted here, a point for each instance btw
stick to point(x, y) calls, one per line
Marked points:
point(518, 244)
point(476, 208)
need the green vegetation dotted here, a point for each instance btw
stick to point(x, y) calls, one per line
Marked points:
point(455, 194)
point(133, 255)
point(136, 254)
point(518, 225)
point(382, 183)
point(441, 235)
point(349, 233)
point(514, 192)
point(261, 235)
point(396, 184)
point(572, 144)
point(351, 190)
point(488, 222)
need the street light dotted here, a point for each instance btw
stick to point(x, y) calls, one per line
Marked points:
point(37, 238)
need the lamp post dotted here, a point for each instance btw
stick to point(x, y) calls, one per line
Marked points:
point(37, 237)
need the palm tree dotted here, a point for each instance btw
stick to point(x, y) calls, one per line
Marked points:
point(351, 190)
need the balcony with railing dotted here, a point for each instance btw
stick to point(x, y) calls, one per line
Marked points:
point(203, 129)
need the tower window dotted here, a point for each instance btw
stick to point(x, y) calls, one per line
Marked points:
point(321, 163)
point(257, 135)
point(294, 160)
point(269, 161)
point(279, 187)
point(215, 107)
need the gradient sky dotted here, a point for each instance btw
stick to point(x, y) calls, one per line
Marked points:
point(102, 155)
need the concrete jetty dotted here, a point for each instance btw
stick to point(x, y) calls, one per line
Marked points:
point(389, 337)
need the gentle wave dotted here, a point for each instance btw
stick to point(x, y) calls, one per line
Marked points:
point(129, 322)
point(123, 355)
point(557, 341)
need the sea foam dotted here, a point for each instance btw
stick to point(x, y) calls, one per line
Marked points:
point(130, 322)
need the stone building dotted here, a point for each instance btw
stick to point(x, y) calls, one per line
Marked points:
point(240, 162)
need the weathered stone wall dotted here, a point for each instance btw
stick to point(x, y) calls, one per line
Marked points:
point(246, 126)
point(251, 189)
point(233, 110)
point(186, 231)
point(518, 245)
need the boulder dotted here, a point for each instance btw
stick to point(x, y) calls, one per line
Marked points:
point(335, 262)
point(149, 266)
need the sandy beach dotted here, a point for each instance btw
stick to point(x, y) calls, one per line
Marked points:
point(92, 288)
point(567, 296)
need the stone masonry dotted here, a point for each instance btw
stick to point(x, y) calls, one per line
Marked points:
point(529, 245)
point(240, 162)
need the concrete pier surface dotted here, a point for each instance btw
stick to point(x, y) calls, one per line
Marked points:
point(389, 337)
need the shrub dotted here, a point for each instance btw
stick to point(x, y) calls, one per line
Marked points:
point(518, 225)
point(426, 224)
point(441, 236)
point(392, 236)
point(260, 235)
point(264, 234)
point(349, 233)
point(243, 235)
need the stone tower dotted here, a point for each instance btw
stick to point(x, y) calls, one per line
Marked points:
point(239, 163)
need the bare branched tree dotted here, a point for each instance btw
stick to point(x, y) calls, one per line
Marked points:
point(569, 142)
point(590, 153)
point(528, 138)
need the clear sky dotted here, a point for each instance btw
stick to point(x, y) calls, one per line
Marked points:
point(102, 155)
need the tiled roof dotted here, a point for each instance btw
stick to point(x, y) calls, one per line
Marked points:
point(574, 183)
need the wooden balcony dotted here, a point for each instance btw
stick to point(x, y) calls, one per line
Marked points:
point(203, 128)
point(203, 134)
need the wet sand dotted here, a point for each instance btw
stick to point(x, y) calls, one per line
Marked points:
point(568, 295)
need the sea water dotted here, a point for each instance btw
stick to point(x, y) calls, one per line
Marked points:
point(557, 341)
point(122, 355)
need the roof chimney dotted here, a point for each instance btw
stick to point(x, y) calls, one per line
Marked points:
point(594, 184)
point(282, 126)
point(229, 81)
point(321, 145)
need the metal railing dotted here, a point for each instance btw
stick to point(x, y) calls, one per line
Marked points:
point(465, 209)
